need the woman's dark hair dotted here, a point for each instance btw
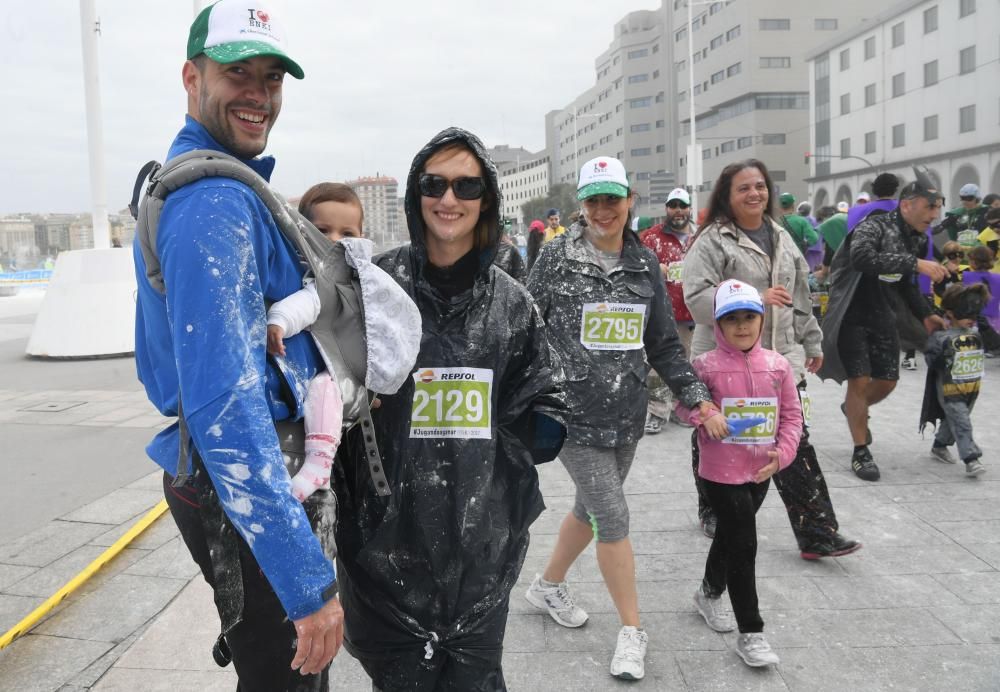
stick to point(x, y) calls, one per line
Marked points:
point(825, 213)
point(329, 192)
point(992, 215)
point(990, 198)
point(535, 242)
point(718, 204)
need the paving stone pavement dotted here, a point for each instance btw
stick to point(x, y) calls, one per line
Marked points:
point(914, 610)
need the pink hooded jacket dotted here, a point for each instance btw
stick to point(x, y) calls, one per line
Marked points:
point(757, 374)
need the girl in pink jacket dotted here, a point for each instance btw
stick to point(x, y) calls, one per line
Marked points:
point(756, 436)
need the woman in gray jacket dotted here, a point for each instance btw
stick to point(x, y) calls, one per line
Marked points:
point(606, 313)
point(740, 240)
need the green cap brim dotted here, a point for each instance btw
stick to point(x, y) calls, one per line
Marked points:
point(244, 50)
point(604, 188)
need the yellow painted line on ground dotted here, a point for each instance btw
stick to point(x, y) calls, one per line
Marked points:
point(25, 625)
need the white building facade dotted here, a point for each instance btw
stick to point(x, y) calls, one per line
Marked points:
point(520, 182)
point(379, 201)
point(919, 84)
point(751, 82)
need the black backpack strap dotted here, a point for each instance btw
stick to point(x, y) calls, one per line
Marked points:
point(146, 171)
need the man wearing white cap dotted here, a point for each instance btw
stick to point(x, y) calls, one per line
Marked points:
point(200, 349)
point(863, 198)
point(964, 222)
point(669, 242)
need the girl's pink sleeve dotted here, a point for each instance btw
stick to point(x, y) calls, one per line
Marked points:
point(789, 419)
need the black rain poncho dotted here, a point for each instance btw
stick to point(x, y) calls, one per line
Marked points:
point(426, 572)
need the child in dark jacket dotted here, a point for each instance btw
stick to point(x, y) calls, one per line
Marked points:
point(954, 373)
point(755, 386)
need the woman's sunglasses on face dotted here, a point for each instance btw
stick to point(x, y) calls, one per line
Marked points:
point(955, 255)
point(467, 188)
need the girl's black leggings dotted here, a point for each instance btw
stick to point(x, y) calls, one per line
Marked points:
point(733, 553)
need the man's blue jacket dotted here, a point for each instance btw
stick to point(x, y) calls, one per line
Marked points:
point(222, 259)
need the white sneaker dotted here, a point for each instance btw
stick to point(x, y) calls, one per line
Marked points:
point(909, 363)
point(711, 609)
point(753, 648)
point(943, 454)
point(630, 654)
point(557, 602)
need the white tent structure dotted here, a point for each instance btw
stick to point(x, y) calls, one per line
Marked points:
point(89, 307)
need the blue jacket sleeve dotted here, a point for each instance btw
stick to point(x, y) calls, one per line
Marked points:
point(215, 242)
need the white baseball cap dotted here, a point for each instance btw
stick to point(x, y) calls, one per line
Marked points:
point(233, 30)
point(681, 194)
point(733, 295)
point(969, 190)
point(864, 196)
point(843, 207)
point(602, 176)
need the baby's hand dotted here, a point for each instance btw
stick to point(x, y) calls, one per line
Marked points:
point(275, 345)
point(769, 469)
point(715, 426)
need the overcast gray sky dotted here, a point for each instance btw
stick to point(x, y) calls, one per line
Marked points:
point(381, 79)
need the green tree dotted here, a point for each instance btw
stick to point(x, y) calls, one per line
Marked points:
point(561, 196)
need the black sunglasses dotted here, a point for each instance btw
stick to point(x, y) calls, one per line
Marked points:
point(677, 204)
point(968, 198)
point(467, 188)
point(955, 255)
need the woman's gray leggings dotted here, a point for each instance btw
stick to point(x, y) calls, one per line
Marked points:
point(599, 474)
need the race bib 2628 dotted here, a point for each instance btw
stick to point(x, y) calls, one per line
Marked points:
point(612, 326)
point(452, 402)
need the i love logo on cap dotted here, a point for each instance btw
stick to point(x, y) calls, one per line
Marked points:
point(602, 176)
point(233, 30)
point(733, 295)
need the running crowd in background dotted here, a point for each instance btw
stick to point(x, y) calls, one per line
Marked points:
point(396, 474)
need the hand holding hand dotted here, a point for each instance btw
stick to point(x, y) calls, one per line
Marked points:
point(319, 638)
point(275, 345)
point(777, 295)
point(715, 426)
point(768, 469)
point(934, 323)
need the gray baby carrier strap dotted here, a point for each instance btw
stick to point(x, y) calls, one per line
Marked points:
point(339, 330)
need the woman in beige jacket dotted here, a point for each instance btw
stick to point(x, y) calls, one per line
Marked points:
point(740, 240)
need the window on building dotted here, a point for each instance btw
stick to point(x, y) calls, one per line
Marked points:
point(656, 74)
point(898, 135)
point(660, 123)
point(618, 108)
point(967, 60)
point(639, 53)
point(697, 57)
point(845, 59)
point(682, 96)
point(773, 63)
point(781, 101)
point(870, 142)
point(773, 139)
point(697, 89)
point(898, 34)
point(845, 104)
point(728, 146)
point(636, 78)
point(640, 102)
point(718, 76)
point(825, 24)
point(619, 132)
point(659, 97)
point(966, 7)
point(706, 153)
point(734, 69)
point(744, 142)
point(775, 24)
point(869, 95)
point(898, 84)
point(660, 148)
point(845, 147)
point(640, 127)
point(967, 118)
point(656, 47)
point(733, 33)
point(778, 176)
point(642, 151)
point(930, 128)
point(930, 73)
point(617, 60)
point(680, 34)
point(930, 19)
point(869, 48)
point(715, 42)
